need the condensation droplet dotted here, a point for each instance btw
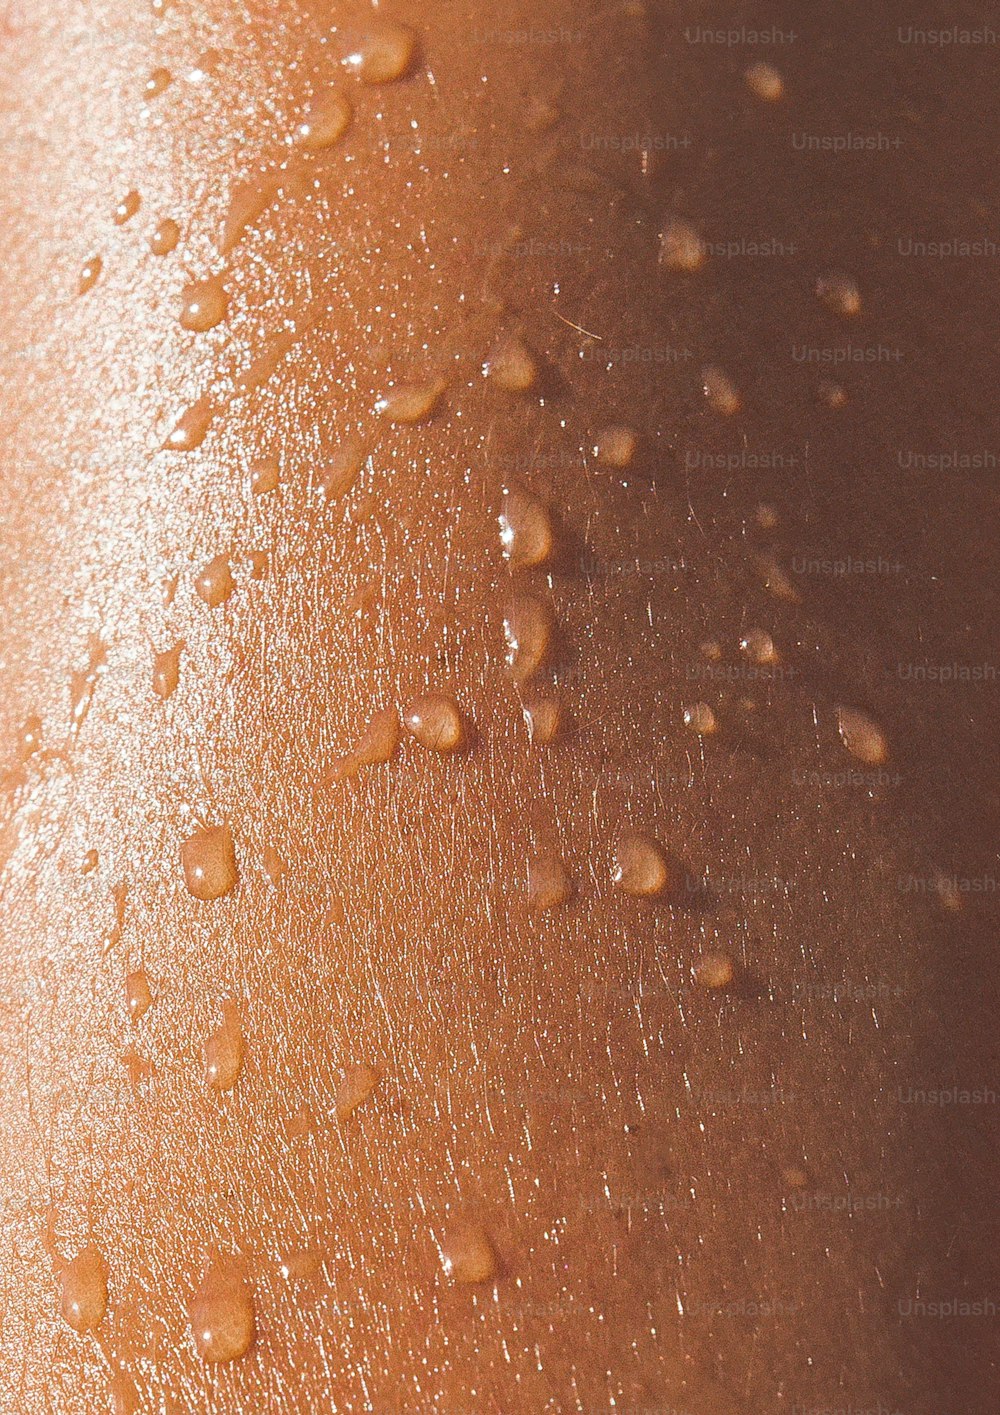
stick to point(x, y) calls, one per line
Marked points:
point(435, 720)
point(549, 884)
point(467, 1254)
point(127, 208)
point(840, 293)
point(222, 1314)
point(204, 304)
point(90, 274)
point(208, 859)
point(527, 627)
point(715, 970)
point(861, 736)
point(166, 670)
point(681, 248)
point(164, 236)
point(191, 428)
point(411, 402)
point(764, 81)
point(543, 718)
point(525, 530)
point(214, 583)
point(158, 81)
point(326, 121)
point(83, 1290)
point(138, 995)
point(384, 52)
point(224, 1050)
point(512, 366)
point(758, 645)
point(247, 203)
point(700, 718)
point(376, 744)
point(720, 391)
point(356, 1085)
point(641, 866)
point(615, 446)
point(274, 866)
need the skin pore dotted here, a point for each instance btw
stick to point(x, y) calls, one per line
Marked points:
point(492, 910)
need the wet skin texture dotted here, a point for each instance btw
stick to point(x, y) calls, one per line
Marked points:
point(661, 1170)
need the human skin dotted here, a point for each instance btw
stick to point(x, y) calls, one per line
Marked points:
point(692, 1199)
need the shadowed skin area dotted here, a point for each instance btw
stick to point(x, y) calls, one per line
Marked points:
point(693, 1200)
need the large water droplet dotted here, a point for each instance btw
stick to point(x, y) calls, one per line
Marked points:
point(214, 583)
point(83, 1290)
point(204, 304)
point(435, 720)
point(384, 52)
point(549, 884)
point(326, 122)
point(862, 737)
point(641, 866)
point(208, 859)
point(527, 627)
point(222, 1314)
point(526, 532)
point(224, 1050)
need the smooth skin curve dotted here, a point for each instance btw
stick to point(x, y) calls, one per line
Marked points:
point(382, 1093)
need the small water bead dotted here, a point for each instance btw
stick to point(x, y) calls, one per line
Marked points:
point(247, 203)
point(90, 862)
point(30, 737)
point(264, 477)
point(758, 645)
point(700, 718)
point(512, 366)
point(641, 866)
point(766, 517)
point(356, 1085)
point(214, 583)
point(166, 671)
point(681, 248)
point(326, 122)
point(90, 274)
point(411, 402)
point(720, 391)
point(527, 626)
point(274, 866)
point(777, 581)
point(224, 1050)
point(862, 737)
point(158, 81)
point(832, 395)
point(208, 859)
point(616, 446)
point(191, 428)
point(376, 744)
point(526, 532)
point(543, 718)
point(764, 82)
point(435, 721)
point(164, 237)
point(222, 1314)
point(138, 994)
point(467, 1254)
point(83, 1290)
point(384, 52)
point(127, 208)
point(342, 468)
point(711, 649)
point(795, 1176)
point(204, 304)
point(302, 1265)
point(715, 970)
point(549, 883)
point(840, 293)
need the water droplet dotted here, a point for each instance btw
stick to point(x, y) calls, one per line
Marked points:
point(190, 430)
point(326, 122)
point(214, 582)
point(224, 1050)
point(711, 649)
point(30, 737)
point(158, 81)
point(164, 237)
point(766, 517)
point(549, 883)
point(764, 81)
point(840, 293)
point(356, 1086)
point(641, 867)
point(166, 670)
point(264, 477)
point(90, 274)
point(247, 203)
point(301, 1266)
point(715, 970)
point(861, 736)
point(435, 720)
point(274, 866)
point(90, 862)
point(222, 1314)
point(526, 532)
point(83, 1290)
point(543, 717)
point(758, 645)
point(376, 744)
point(384, 52)
point(411, 402)
point(208, 859)
point(681, 248)
point(468, 1255)
point(720, 391)
point(795, 1176)
point(124, 1398)
point(700, 718)
point(83, 683)
point(776, 580)
point(342, 468)
point(138, 994)
point(616, 446)
point(512, 366)
point(127, 208)
point(527, 628)
point(204, 304)
point(833, 395)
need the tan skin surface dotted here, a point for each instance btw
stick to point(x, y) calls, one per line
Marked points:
point(577, 1178)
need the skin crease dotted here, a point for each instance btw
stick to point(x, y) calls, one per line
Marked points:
point(555, 1080)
